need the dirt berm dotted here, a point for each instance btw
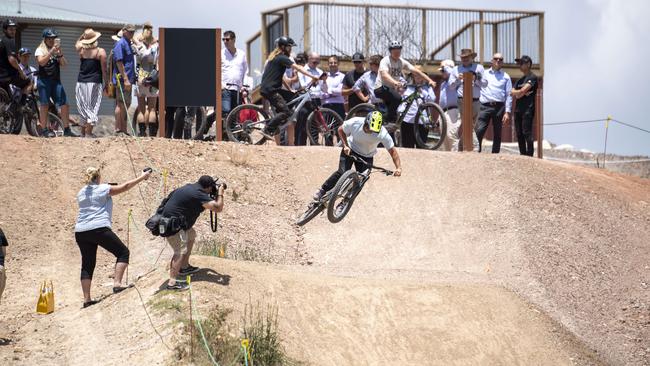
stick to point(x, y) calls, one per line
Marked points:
point(467, 259)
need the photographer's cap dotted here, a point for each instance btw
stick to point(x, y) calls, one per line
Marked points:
point(206, 181)
point(524, 60)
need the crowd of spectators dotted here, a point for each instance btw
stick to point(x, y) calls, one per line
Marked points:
point(122, 73)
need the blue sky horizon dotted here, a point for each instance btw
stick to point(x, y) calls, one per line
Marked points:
point(594, 55)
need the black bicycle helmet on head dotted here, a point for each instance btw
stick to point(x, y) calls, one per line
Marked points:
point(9, 23)
point(394, 45)
point(286, 41)
point(49, 33)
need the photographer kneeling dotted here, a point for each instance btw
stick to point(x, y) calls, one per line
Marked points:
point(179, 213)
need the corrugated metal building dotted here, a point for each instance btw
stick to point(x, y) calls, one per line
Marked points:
point(33, 18)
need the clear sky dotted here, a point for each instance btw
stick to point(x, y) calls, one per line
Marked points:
point(596, 53)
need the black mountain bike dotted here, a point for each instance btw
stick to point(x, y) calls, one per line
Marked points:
point(13, 114)
point(246, 122)
point(430, 125)
point(339, 200)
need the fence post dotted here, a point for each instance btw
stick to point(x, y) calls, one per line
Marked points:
point(306, 29)
point(162, 105)
point(366, 46)
point(424, 35)
point(217, 103)
point(467, 120)
point(539, 119)
point(481, 38)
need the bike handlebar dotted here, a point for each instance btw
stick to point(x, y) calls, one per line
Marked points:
point(383, 170)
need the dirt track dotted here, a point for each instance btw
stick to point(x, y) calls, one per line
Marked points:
point(434, 281)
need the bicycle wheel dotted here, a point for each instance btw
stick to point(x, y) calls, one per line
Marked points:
point(6, 117)
point(343, 196)
point(30, 117)
point(312, 211)
point(431, 130)
point(55, 124)
point(245, 124)
point(323, 125)
point(360, 110)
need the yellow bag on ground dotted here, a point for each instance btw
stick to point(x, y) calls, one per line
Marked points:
point(45, 303)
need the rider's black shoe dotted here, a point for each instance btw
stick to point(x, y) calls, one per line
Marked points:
point(47, 133)
point(318, 194)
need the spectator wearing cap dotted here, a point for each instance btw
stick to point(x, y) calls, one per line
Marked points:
point(351, 77)
point(10, 71)
point(456, 81)
point(50, 58)
point(313, 60)
point(525, 91)
point(92, 78)
point(449, 104)
point(364, 87)
point(496, 103)
point(233, 70)
point(333, 88)
point(147, 51)
point(291, 81)
point(123, 76)
point(427, 95)
point(29, 71)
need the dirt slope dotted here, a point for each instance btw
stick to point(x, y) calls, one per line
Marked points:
point(433, 281)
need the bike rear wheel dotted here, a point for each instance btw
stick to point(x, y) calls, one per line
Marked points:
point(323, 131)
point(430, 129)
point(55, 124)
point(346, 190)
point(360, 110)
point(245, 124)
point(312, 211)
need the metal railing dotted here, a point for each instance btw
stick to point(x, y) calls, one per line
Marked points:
point(429, 35)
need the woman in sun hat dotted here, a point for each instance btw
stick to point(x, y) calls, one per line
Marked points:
point(92, 80)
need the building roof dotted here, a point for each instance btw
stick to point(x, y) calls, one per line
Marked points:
point(40, 13)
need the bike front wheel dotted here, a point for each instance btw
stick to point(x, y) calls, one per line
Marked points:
point(312, 211)
point(346, 190)
point(30, 117)
point(430, 127)
point(323, 124)
point(245, 124)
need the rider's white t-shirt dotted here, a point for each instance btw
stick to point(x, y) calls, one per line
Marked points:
point(394, 69)
point(362, 143)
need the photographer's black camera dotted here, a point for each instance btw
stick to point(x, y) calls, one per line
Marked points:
point(215, 187)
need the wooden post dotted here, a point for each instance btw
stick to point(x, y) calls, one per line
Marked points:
point(424, 34)
point(541, 44)
point(285, 21)
point(217, 103)
point(467, 123)
point(539, 118)
point(495, 39)
point(161, 84)
point(265, 38)
point(291, 131)
point(306, 30)
point(481, 45)
point(366, 46)
point(518, 38)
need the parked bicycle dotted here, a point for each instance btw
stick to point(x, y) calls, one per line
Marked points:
point(14, 114)
point(322, 123)
point(339, 200)
point(430, 127)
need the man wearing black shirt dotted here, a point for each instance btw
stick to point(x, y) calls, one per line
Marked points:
point(351, 77)
point(271, 86)
point(525, 91)
point(183, 206)
point(10, 71)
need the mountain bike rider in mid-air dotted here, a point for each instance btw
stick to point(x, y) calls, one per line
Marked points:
point(271, 85)
point(360, 137)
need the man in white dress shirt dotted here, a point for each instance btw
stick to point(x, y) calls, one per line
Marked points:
point(233, 70)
